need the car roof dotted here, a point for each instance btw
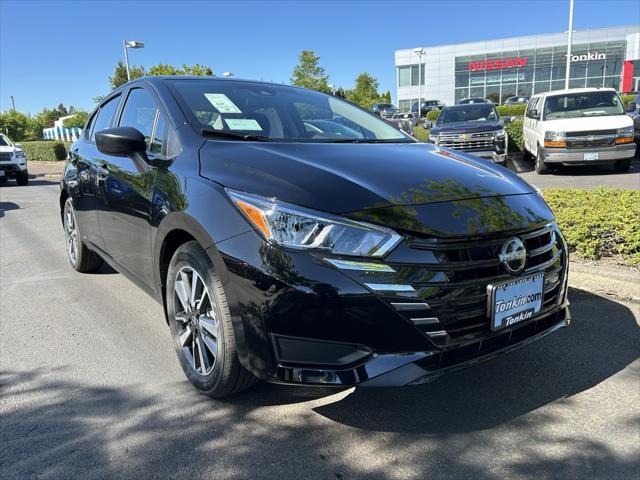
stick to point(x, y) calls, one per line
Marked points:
point(158, 79)
point(565, 91)
point(466, 105)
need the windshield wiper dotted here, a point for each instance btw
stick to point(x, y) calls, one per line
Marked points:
point(369, 140)
point(210, 132)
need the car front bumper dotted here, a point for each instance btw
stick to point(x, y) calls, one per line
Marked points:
point(12, 169)
point(496, 157)
point(576, 156)
point(298, 318)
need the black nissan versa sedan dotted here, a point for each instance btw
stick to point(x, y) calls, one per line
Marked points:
point(286, 250)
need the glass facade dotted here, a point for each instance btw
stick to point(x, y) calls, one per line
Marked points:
point(410, 75)
point(498, 76)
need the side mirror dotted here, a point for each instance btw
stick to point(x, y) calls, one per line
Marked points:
point(427, 125)
point(534, 114)
point(631, 107)
point(508, 119)
point(121, 141)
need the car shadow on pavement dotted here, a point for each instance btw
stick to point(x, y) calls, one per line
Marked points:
point(6, 206)
point(33, 182)
point(602, 339)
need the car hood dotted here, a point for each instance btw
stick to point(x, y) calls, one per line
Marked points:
point(467, 127)
point(588, 123)
point(6, 148)
point(342, 178)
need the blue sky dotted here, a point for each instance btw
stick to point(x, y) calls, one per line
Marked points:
point(64, 51)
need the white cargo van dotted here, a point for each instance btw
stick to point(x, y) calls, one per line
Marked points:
point(580, 126)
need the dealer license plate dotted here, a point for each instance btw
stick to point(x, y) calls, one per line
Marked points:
point(515, 301)
point(591, 156)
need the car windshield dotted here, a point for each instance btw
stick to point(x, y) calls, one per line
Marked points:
point(4, 142)
point(468, 113)
point(584, 104)
point(248, 111)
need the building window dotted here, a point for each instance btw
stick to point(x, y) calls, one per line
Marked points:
point(410, 75)
point(404, 105)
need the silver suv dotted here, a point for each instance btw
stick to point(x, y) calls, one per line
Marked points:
point(13, 161)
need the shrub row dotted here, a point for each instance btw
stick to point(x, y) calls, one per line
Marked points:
point(511, 110)
point(45, 150)
point(598, 223)
point(516, 137)
point(628, 98)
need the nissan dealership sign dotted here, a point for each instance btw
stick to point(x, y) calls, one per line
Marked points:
point(498, 64)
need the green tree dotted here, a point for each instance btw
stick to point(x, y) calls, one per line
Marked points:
point(309, 74)
point(196, 69)
point(164, 69)
point(16, 125)
point(365, 93)
point(119, 76)
point(78, 120)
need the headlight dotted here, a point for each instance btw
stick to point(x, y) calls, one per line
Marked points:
point(433, 138)
point(555, 139)
point(625, 132)
point(20, 153)
point(296, 227)
point(625, 135)
point(500, 134)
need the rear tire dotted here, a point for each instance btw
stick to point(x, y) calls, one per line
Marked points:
point(541, 167)
point(622, 165)
point(80, 257)
point(201, 326)
point(22, 178)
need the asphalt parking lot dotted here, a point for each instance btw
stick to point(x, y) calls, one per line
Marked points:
point(90, 388)
point(579, 177)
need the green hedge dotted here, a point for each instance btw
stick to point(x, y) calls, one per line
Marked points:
point(433, 115)
point(45, 150)
point(516, 138)
point(628, 98)
point(420, 133)
point(511, 110)
point(598, 223)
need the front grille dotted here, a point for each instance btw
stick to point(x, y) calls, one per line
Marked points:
point(453, 284)
point(590, 132)
point(585, 143)
point(5, 156)
point(468, 141)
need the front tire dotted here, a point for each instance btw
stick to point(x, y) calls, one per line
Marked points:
point(622, 165)
point(80, 257)
point(22, 178)
point(541, 167)
point(201, 326)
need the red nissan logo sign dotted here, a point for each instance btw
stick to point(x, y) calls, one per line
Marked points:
point(498, 64)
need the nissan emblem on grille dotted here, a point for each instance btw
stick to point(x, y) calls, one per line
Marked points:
point(513, 255)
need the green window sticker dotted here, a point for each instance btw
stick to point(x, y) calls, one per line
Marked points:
point(222, 103)
point(243, 124)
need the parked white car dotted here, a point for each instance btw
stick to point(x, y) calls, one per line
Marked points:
point(13, 161)
point(581, 126)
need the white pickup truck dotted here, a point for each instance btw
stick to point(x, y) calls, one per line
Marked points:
point(580, 126)
point(13, 161)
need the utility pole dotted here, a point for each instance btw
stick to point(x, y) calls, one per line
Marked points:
point(420, 52)
point(569, 39)
point(13, 103)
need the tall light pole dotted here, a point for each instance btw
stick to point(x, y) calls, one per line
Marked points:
point(13, 103)
point(130, 44)
point(569, 39)
point(419, 52)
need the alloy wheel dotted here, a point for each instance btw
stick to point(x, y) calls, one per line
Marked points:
point(196, 320)
point(71, 232)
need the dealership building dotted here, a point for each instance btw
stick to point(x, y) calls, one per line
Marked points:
point(523, 66)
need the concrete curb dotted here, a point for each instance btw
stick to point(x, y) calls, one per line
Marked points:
point(617, 282)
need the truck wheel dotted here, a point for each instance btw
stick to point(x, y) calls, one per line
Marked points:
point(541, 167)
point(22, 178)
point(622, 165)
